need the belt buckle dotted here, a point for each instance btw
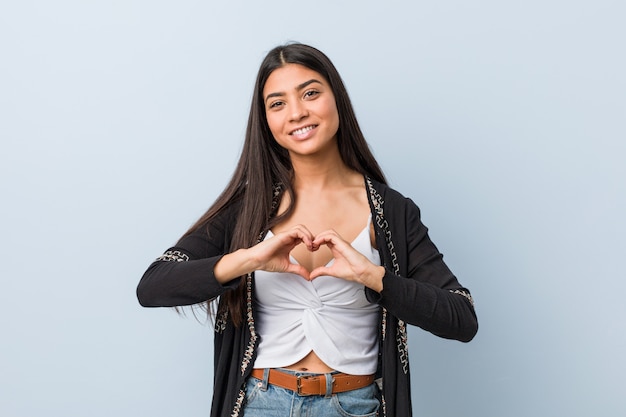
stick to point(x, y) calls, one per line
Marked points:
point(299, 379)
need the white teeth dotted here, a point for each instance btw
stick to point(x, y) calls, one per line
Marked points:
point(301, 131)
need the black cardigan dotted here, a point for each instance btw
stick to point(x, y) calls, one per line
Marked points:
point(418, 289)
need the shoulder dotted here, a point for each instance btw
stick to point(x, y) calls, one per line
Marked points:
point(392, 201)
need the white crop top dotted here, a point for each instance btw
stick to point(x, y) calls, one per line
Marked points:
point(328, 315)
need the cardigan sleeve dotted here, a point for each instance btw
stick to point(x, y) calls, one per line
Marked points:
point(431, 297)
point(184, 275)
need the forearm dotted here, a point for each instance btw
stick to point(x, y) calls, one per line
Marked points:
point(440, 311)
point(233, 265)
point(169, 284)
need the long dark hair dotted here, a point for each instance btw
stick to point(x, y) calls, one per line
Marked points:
point(264, 165)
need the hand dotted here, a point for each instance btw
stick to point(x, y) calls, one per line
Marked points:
point(272, 255)
point(348, 264)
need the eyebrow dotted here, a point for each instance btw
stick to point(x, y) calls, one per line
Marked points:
point(298, 88)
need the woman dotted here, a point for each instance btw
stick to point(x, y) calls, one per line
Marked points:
point(315, 263)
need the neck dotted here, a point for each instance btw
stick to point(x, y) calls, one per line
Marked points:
point(317, 172)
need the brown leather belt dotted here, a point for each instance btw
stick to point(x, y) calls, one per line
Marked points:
point(314, 384)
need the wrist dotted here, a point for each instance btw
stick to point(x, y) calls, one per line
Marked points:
point(375, 279)
point(245, 260)
point(233, 265)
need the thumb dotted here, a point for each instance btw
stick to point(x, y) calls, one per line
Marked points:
point(319, 272)
point(299, 270)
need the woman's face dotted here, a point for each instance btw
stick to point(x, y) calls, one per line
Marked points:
point(301, 110)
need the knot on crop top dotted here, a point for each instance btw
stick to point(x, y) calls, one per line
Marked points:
point(328, 315)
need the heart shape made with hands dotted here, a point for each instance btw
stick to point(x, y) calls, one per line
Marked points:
point(314, 261)
point(301, 263)
point(283, 252)
point(347, 262)
point(339, 251)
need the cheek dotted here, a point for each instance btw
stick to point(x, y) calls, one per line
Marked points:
point(275, 127)
point(329, 109)
point(333, 115)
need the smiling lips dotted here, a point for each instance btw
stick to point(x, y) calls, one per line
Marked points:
point(303, 130)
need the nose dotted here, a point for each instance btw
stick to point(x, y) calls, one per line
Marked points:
point(298, 111)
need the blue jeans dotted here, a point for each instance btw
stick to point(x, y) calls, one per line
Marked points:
point(266, 400)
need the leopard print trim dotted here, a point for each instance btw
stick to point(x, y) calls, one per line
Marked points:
point(401, 331)
point(378, 203)
point(238, 403)
point(249, 352)
point(464, 294)
point(382, 398)
point(403, 347)
point(173, 256)
point(220, 322)
point(247, 356)
point(378, 208)
point(276, 190)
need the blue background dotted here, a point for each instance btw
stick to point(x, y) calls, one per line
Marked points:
point(121, 121)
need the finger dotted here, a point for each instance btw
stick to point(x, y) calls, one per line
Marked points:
point(319, 272)
point(328, 237)
point(299, 270)
point(325, 239)
point(303, 229)
point(287, 241)
point(303, 234)
point(336, 245)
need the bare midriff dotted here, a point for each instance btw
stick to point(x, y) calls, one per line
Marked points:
point(310, 363)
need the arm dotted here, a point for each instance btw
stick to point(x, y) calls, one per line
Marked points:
point(198, 268)
point(184, 275)
point(431, 297)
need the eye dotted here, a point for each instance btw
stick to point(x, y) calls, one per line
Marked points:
point(275, 104)
point(311, 93)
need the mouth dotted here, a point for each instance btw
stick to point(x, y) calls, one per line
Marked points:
point(302, 130)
